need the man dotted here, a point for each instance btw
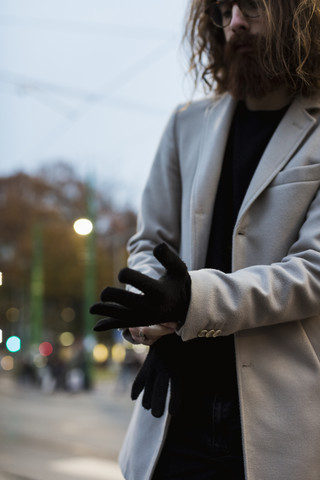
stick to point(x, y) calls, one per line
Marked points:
point(234, 193)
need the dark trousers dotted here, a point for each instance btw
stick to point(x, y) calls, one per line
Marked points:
point(204, 441)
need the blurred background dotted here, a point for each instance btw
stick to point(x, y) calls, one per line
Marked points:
point(86, 89)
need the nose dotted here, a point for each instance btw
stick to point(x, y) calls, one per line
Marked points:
point(238, 20)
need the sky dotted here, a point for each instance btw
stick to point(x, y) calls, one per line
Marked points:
point(91, 83)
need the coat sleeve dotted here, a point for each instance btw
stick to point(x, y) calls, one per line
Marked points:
point(160, 213)
point(260, 295)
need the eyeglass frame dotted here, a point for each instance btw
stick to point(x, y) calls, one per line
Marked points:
point(217, 3)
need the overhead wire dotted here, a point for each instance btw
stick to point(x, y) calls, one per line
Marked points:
point(58, 96)
point(72, 26)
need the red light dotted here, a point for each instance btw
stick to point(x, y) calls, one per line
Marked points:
point(45, 348)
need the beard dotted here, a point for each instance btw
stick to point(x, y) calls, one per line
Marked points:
point(245, 73)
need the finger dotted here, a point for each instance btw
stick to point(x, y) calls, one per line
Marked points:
point(157, 331)
point(111, 310)
point(170, 260)
point(148, 389)
point(102, 325)
point(139, 336)
point(171, 325)
point(139, 383)
point(109, 324)
point(159, 394)
point(134, 332)
point(138, 280)
point(123, 297)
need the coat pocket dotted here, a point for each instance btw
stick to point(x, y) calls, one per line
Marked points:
point(305, 173)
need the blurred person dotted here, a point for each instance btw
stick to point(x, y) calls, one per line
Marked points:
point(223, 277)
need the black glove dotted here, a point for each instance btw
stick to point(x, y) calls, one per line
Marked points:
point(163, 300)
point(161, 366)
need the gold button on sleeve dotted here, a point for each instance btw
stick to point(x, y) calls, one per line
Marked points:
point(202, 333)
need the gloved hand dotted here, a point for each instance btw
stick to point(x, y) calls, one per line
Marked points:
point(161, 367)
point(163, 300)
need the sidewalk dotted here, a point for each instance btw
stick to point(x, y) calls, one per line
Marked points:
point(61, 436)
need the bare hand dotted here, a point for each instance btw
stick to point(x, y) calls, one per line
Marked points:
point(149, 335)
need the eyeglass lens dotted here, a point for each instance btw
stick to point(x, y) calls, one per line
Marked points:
point(221, 11)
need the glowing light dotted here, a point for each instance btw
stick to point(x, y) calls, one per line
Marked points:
point(0, 278)
point(40, 361)
point(118, 353)
point(65, 354)
point(66, 339)
point(83, 226)
point(13, 344)
point(45, 349)
point(1, 336)
point(7, 363)
point(100, 353)
point(68, 314)
point(89, 342)
point(12, 314)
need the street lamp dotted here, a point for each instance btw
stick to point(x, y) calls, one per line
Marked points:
point(83, 226)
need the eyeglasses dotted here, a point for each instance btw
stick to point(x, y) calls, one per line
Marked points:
point(220, 11)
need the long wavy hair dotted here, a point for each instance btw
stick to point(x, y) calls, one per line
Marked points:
point(292, 45)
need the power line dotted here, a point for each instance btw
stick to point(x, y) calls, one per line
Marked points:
point(58, 96)
point(70, 26)
point(61, 104)
point(26, 84)
point(107, 91)
point(126, 75)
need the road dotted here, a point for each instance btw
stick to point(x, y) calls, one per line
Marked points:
point(61, 435)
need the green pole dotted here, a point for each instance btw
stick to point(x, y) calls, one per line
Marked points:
point(89, 281)
point(37, 287)
point(89, 285)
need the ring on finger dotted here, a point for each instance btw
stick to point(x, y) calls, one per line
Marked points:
point(142, 336)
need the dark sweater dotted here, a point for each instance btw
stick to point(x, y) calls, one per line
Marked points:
point(249, 135)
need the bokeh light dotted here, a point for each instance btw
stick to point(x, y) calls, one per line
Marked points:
point(7, 363)
point(100, 353)
point(12, 314)
point(40, 361)
point(66, 339)
point(68, 314)
point(118, 352)
point(65, 354)
point(83, 226)
point(45, 349)
point(13, 344)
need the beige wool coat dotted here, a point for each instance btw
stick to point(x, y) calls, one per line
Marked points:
point(270, 301)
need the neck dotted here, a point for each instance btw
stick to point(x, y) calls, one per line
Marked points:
point(274, 100)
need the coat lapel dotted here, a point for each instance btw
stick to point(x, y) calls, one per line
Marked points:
point(214, 135)
point(291, 132)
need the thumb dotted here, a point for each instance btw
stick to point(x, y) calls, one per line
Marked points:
point(170, 260)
